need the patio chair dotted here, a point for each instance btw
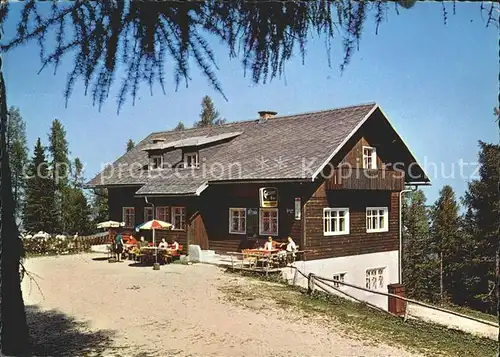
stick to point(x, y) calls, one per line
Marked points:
point(248, 258)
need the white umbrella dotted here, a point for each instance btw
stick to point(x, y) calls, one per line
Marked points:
point(41, 234)
point(110, 224)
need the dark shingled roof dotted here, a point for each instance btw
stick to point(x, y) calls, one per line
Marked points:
point(283, 147)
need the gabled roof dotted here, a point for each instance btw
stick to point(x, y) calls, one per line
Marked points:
point(292, 147)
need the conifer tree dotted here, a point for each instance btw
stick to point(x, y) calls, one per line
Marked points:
point(18, 157)
point(60, 169)
point(100, 206)
point(180, 126)
point(77, 213)
point(13, 326)
point(209, 115)
point(482, 200)
point(130, 145)
point(39, 210)
point(419, 273)
point(445, 229)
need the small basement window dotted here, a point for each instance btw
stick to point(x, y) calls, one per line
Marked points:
point(155, 162)
point(375, 279)
point(339, 277)
point(191, 159)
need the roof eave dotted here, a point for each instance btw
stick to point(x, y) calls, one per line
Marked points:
point(242, 181)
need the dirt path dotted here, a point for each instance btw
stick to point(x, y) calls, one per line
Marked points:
point(178, 311)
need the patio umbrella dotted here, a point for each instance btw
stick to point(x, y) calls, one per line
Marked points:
point(154, 225)
point(110, 224)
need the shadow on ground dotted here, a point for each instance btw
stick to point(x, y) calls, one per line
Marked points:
point(100, 259)
point(53, 333)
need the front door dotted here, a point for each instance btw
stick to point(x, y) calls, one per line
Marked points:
point(197, 233)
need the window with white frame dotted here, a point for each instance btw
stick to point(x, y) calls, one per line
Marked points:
point(339, 277)
point(128, 216)
point(335, 221)
point(162, 213)
point(375, 279)
point(369, 157)
point(377, 219)
point(155, 162)
point(178, 218)
point(237, 220)
point(191, 159)
point(148, 214)
point(268, 221)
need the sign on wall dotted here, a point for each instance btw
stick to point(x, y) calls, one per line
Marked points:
point(268, 197)
point(297, 208)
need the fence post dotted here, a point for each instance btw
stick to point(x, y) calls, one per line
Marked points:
point(295, 275)
point(310, 283)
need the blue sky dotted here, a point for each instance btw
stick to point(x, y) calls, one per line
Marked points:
point(437, 83)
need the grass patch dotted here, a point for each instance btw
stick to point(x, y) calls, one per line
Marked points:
point(378, 327)
point(471, 312)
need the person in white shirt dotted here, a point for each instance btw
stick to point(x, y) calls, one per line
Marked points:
point(291, 246)
point(175, 245)
point(269, 244)
point(163, 244)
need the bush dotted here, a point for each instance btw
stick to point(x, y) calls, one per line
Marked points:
point(54, 245)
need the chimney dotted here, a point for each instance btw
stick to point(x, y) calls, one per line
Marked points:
point(266, 114)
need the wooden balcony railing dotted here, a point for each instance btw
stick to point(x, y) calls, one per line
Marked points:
point(348, 178)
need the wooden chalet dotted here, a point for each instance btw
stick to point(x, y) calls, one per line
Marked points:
point(330, 179)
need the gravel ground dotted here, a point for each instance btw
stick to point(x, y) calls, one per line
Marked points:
point(87, 306)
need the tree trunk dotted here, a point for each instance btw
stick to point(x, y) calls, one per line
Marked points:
point(14, 329)
point(441, 288)
point(497, 273)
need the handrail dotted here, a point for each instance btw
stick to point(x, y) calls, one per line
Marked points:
point(416, 302)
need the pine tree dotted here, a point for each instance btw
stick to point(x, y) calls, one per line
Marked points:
point(130, 145)
point(264, 34)
point(445, 229)
point(60, 169)
point(419, 273)
point(18, 156)
point(77, 173)
point(209, 115)
point(180, 126)
point(482, 200)
point(39, 212)
point(77, 211)
point(100, 206)
point(13, 326)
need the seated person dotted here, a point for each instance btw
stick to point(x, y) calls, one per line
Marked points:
point(142, 243)
point(163, 244)
point(269, 244)
point(131, 240)
point(291, 246)
point(174, 245)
